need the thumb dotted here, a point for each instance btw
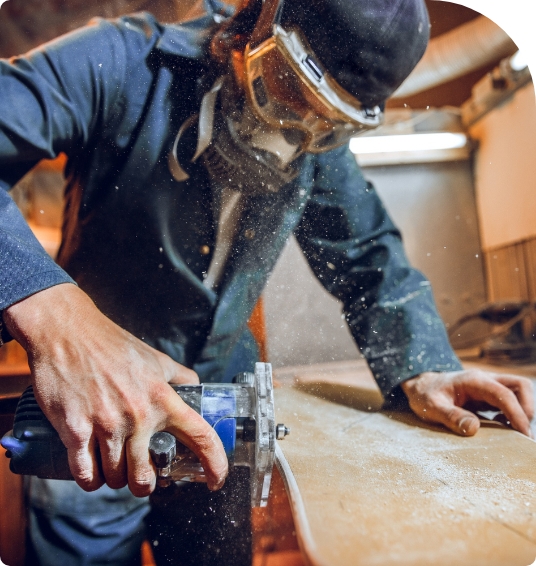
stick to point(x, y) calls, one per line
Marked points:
point(456, 419)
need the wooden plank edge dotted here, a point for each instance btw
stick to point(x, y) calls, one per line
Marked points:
point(303, 530)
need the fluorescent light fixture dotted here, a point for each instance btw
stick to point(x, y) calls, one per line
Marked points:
point(430, 141)
point(518, 62)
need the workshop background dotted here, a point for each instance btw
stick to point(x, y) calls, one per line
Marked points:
point(466, 213)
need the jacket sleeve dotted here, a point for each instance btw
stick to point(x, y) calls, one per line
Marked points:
point(55, 99)
point(356, 252)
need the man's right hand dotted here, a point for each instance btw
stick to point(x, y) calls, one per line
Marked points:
point(106, 392)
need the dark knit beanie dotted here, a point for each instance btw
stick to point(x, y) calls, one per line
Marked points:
point(368, 46)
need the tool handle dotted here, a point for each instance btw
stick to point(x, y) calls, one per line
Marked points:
point(35, 448)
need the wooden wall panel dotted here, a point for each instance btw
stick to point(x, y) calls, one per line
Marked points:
point(505, 170)
point(511, 271)
point(530, 262)
point(506, 273)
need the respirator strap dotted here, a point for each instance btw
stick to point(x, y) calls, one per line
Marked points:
point(205, 130)
point(231, 207)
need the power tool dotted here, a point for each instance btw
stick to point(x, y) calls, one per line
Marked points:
point(242, 414)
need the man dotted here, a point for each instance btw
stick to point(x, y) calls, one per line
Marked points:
point(194, 151)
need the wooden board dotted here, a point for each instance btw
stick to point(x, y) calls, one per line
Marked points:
point(12, 516)
point(373, 488)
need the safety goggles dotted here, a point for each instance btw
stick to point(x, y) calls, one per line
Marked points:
point(289, 89)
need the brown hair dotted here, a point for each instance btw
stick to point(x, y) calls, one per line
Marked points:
point(234, 33)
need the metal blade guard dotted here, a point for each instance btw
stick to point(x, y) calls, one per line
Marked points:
point(242, 413)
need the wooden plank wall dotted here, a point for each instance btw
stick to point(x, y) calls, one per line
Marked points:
point(504, 169)
point(511, 271)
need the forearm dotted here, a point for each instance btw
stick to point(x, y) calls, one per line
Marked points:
point(356, 251)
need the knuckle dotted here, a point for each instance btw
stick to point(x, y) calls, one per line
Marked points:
point(431, 404)
point(136, 409)
point(451, 414)
point(507, 395)
point(88, 482)
point(142, 484)
point(111, 429)
point(205, 440)
point(167, 364)
point(76, 439)
point(160, 391)
point(475, 376)
point(112, 458)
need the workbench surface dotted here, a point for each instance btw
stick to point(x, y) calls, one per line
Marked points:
point(380, 488)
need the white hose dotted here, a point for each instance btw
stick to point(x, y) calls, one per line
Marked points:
point(456, 53)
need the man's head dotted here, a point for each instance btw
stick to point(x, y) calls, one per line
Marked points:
point(326, 67)
point(314, 74)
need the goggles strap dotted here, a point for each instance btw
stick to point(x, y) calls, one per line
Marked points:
point(270, 15)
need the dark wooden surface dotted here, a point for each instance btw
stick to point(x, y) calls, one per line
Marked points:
point(12, 516)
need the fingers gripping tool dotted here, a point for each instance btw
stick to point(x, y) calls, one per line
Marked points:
point(241, 413)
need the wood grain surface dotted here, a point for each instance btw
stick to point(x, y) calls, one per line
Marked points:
point(12, 516)
point(381, 488)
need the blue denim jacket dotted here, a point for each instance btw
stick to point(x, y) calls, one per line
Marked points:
point(112, 96)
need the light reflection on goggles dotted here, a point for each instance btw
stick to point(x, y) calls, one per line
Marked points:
point(290, 90)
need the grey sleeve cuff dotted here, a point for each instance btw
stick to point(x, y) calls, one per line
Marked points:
point(402, 339)
point(25, 267)
point(22, 288)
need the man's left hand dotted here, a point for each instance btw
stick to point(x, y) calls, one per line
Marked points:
point(441, 398)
